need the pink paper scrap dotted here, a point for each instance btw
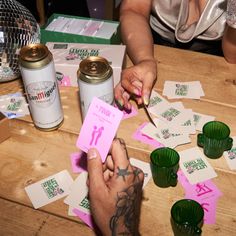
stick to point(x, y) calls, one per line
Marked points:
point(138, 135)
point(86, 218)
point(201, 190)
point(205, 193)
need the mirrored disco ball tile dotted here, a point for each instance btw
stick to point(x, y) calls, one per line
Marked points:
point(18, 28)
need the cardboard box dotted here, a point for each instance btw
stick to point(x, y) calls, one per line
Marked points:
point(74, 29)
point(67, 57)
point(4, 128)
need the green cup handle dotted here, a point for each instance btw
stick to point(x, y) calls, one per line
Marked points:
point(173, 179)
point(200, 140)
point(229, 144)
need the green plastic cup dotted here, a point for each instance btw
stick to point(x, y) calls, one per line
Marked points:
point(215, 139)
point(187, 218)
point(164, 166)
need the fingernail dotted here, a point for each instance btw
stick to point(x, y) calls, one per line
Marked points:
point(146, 99)
point(120, 103)
point(92, 154)
point(137, 92)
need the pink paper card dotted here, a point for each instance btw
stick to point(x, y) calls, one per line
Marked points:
point(138, 135)
point(205, 193)
point(201, 190)
point(78, 161)
point(99, 127)
point(86, 218)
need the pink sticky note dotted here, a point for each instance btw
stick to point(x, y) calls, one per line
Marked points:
point(138, 135)
point(201, 190)
point(128, 114)
point(78, 161)
point(99, 127)
point(86, 218)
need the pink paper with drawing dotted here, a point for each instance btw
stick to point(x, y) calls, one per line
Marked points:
point(99, 127)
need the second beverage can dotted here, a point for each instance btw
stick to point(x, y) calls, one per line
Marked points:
point(95, 79)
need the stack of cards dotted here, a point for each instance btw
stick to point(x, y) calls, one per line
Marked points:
point(230, 156)
point(173, 123)
point(138, 135)
point(205, 193)
point(14, 105)
point(173, 89)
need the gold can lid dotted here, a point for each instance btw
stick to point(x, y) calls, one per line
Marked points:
point(94, 70)
point(34, 56)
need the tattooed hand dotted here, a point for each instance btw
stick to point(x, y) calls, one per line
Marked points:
point(115, 191)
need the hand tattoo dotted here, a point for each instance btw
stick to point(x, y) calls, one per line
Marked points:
point(123, 172)
point(126, 218)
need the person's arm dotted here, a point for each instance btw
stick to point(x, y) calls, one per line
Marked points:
point(135, 29)
point(115, 191)
point(136, 35)
point(41, 12)
point(229, 44)
point(229, 37)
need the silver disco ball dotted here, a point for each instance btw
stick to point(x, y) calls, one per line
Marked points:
point(18, 28)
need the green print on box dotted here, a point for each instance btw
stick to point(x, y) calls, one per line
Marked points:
point(80, 54)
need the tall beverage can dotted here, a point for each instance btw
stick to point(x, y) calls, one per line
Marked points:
point(39, 78)
point(95, 79)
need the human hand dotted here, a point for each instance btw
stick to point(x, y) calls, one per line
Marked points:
point(115, 191)
point(137, 80)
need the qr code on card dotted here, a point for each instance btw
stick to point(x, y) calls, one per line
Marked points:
point(51, 188)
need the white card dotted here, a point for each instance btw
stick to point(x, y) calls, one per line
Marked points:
point(174, 89)
point(15, 105)
point(145, 167)
point(78, 197)
point(200, 120)
point(156, 101)
point(50, 189)
point(195, 166)
point(230, 156)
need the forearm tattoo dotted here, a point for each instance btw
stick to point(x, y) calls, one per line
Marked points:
point(126, 218)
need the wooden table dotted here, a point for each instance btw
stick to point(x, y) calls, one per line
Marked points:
point(31, 155)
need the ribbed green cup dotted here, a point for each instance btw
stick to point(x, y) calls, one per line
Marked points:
point(215, 139)
point(164, 166)
point(187, 218)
